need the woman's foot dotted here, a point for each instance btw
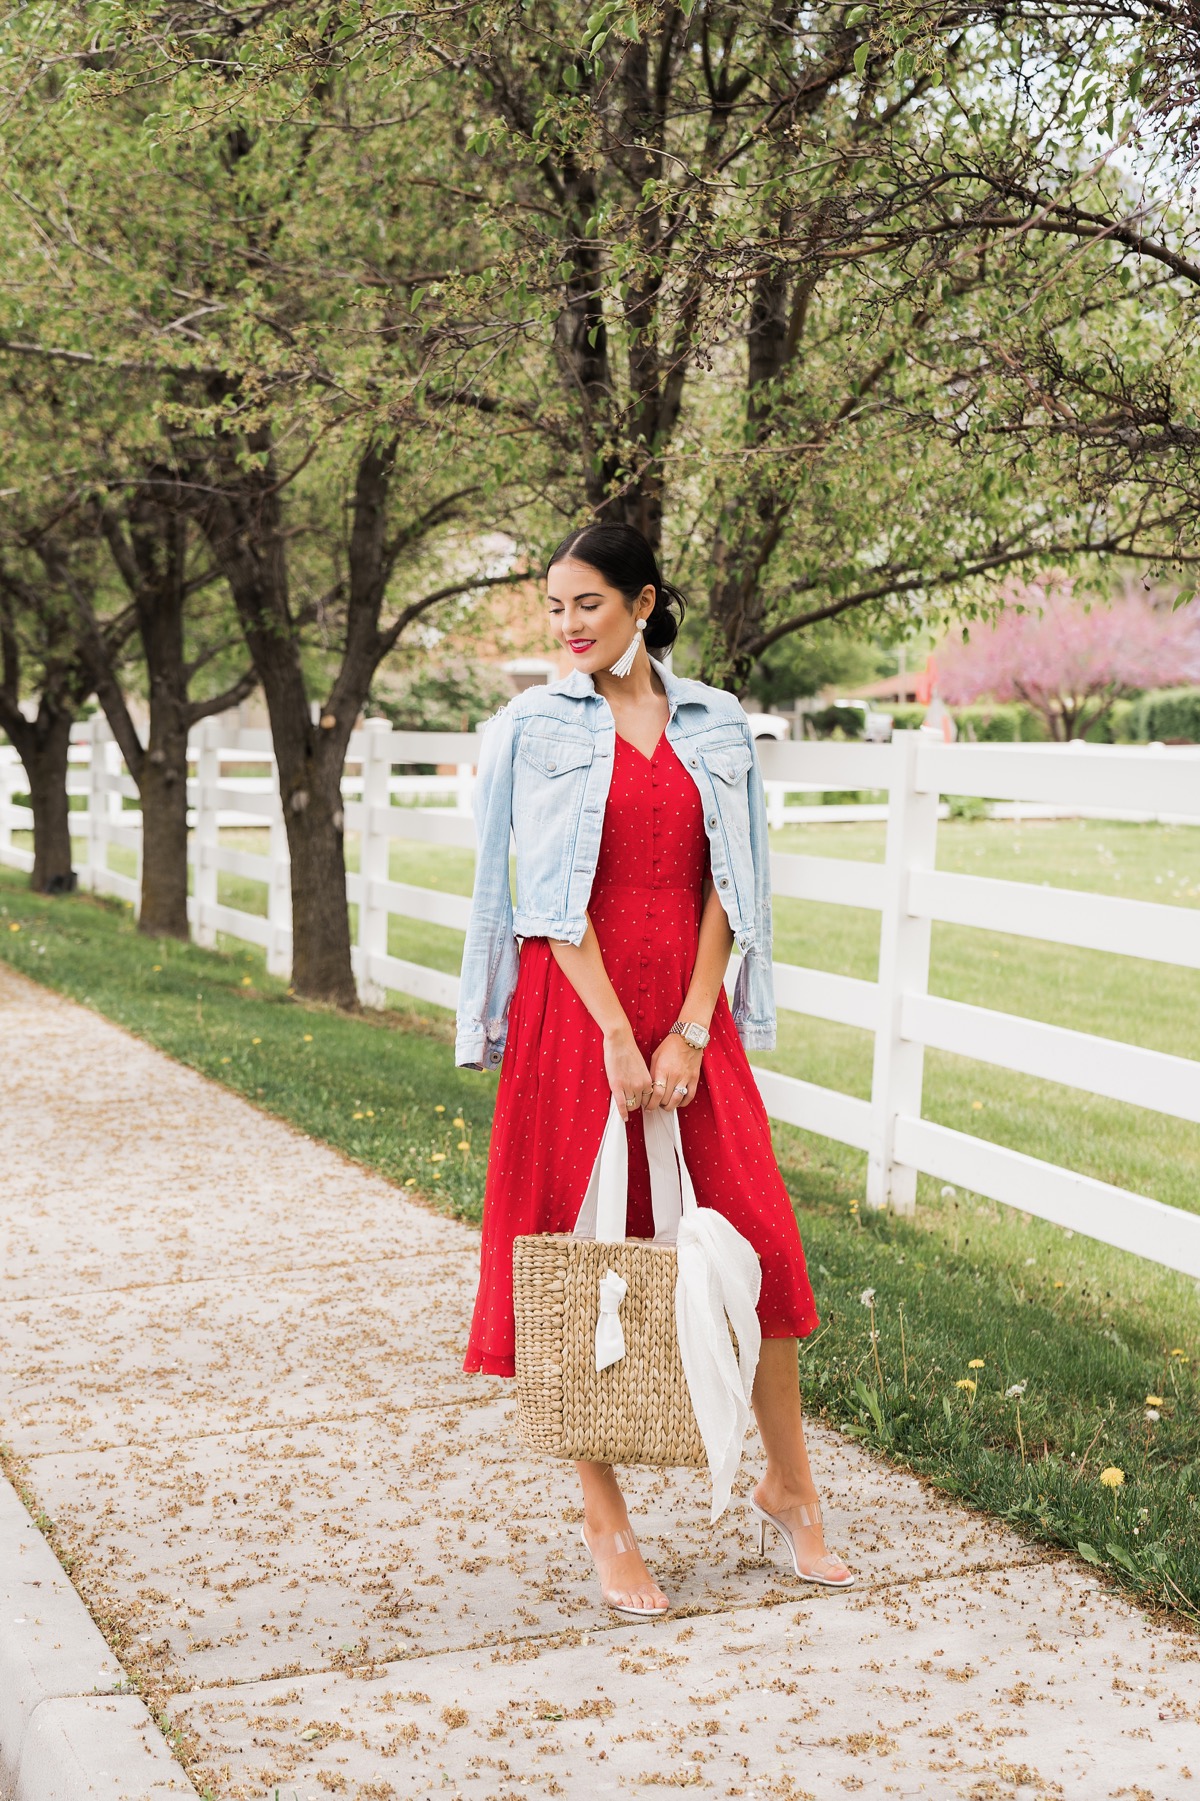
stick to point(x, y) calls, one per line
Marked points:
point(625, 1582)
point(797, 1520)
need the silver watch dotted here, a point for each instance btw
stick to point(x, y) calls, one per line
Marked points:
point(691, 1033)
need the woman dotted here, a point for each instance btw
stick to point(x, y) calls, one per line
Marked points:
point(637, 809)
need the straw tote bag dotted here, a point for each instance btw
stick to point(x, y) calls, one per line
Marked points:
point(631, 1350)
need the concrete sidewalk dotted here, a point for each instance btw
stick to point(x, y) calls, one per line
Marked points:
point(229, 1365)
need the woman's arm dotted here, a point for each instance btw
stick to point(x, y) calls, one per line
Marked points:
point(629, 1080)
point(675, 1062)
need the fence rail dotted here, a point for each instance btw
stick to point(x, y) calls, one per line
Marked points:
point(907, 891)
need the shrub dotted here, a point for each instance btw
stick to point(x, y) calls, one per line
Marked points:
point(997, 723)
point(848, 720)
point(1165, 713)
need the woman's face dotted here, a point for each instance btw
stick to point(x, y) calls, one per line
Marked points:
point(592, 619)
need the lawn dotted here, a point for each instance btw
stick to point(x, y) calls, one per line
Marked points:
point(971, 1301)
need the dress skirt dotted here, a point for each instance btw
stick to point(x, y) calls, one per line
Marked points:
point(553, 1098)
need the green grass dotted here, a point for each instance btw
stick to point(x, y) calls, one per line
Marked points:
point(1090, 1332)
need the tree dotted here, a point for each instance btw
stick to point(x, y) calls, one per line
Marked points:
point(1069, 660)
point(42, 658)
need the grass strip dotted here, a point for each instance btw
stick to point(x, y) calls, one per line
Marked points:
point(1024, 1370)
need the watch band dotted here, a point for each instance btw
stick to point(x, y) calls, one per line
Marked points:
point(685, 1027)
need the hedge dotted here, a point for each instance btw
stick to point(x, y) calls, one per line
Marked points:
point(1165, 713)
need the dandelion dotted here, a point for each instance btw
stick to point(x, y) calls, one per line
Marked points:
point(410, 1181)
point(947, 1192)
point(370, 1112)
point(966, 1383)
point(356, 1116)
point(1016, 1391)
point(1060, 1285)
point(461, 1124)
point(867, 1297)
point(1178, 1351)
point(977, 1106)
point(464, 1144)
point(256, 1041)
point(157, 969)
point(438, 1157)
point(1154, 1400)
point(14, 927)
point(308, 1038)
point(1112, 1477)
point(1152, 1414)
point(225, 1059)
point(977, 1363)
point(439, 1108)
point(246, 981)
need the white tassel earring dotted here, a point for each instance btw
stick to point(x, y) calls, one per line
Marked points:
point(624, 664)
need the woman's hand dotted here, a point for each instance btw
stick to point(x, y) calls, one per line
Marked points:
point(629, 1081)
point(675, 1064)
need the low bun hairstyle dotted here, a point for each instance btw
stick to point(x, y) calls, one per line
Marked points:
point(624, 558)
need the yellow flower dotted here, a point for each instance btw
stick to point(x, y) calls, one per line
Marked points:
point(977, 1106)
point(1177, 1352)
point(14, 927)
point(1060, 1285)
point(256, 1041)
point(464, 1144)
point(1112, 1477)
point(439, 1108)
point(246, 980)
point(461, 1124)
point(966, 1382)
point(1154, 1400)
point(308, 1038)
point(410, 1182)
point(157, 968)
point(225, 1059)
point(438, 1157)
point(976, 1363)
point(370, 1112)
point(356, 1116)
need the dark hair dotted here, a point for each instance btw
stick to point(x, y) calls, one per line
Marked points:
point(624, 558)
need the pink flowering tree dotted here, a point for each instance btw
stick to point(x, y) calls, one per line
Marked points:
point(1068, 661)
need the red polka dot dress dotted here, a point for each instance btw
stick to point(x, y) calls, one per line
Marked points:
point(553, 1098)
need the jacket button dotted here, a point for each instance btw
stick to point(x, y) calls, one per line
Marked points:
point(552, 765)
point(723, 883)
point(712, 819)
point(692, 761)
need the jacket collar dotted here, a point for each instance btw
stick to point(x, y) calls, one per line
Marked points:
point(679, 689)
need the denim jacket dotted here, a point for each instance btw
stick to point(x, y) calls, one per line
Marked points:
point(544, 772)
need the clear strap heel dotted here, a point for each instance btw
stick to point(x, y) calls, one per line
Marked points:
point(822, 1571)
point(603, 1552)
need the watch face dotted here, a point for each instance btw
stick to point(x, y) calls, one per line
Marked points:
point(696, 1036)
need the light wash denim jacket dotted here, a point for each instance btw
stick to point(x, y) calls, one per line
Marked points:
point(544, 772)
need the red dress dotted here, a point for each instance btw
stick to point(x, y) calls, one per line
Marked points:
point(553, 1097)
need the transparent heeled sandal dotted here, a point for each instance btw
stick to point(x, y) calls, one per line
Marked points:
point(607, 1547)
point(810, 1515)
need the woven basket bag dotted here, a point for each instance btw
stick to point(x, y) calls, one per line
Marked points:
point(639, 1409)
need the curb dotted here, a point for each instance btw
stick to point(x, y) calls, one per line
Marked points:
point(66, 1732)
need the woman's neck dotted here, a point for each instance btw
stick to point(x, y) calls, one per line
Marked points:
point(643, 683)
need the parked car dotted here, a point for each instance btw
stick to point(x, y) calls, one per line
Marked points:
point(877, 725)
point(769, 725)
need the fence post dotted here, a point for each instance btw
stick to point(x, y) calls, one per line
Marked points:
point(279, 889)
point(465, 789)
point(207, 841)
point(374, 857)
point(898, 1069)
point(97, 798)
point(6, 808)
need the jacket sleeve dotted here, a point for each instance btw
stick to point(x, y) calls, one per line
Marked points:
point(754, 989)
point(489, 965)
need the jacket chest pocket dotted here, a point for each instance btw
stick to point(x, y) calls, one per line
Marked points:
point(554, 756)
point(549, 783)
point(727, 763)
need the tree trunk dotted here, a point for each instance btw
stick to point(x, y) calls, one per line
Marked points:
point(311, 788)
point(44, 756)
point(163, 793)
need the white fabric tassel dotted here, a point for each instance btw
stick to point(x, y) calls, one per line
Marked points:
point(624, 664)
point(610, 1339)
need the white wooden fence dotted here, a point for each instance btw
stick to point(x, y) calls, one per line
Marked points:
point(906, 889)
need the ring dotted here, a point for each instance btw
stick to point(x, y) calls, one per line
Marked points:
point(681, 1088)
point(631, 1101)
point(660, 1083)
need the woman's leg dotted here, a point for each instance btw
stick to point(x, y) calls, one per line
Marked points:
point(623, 1574)
point(787, 1482)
